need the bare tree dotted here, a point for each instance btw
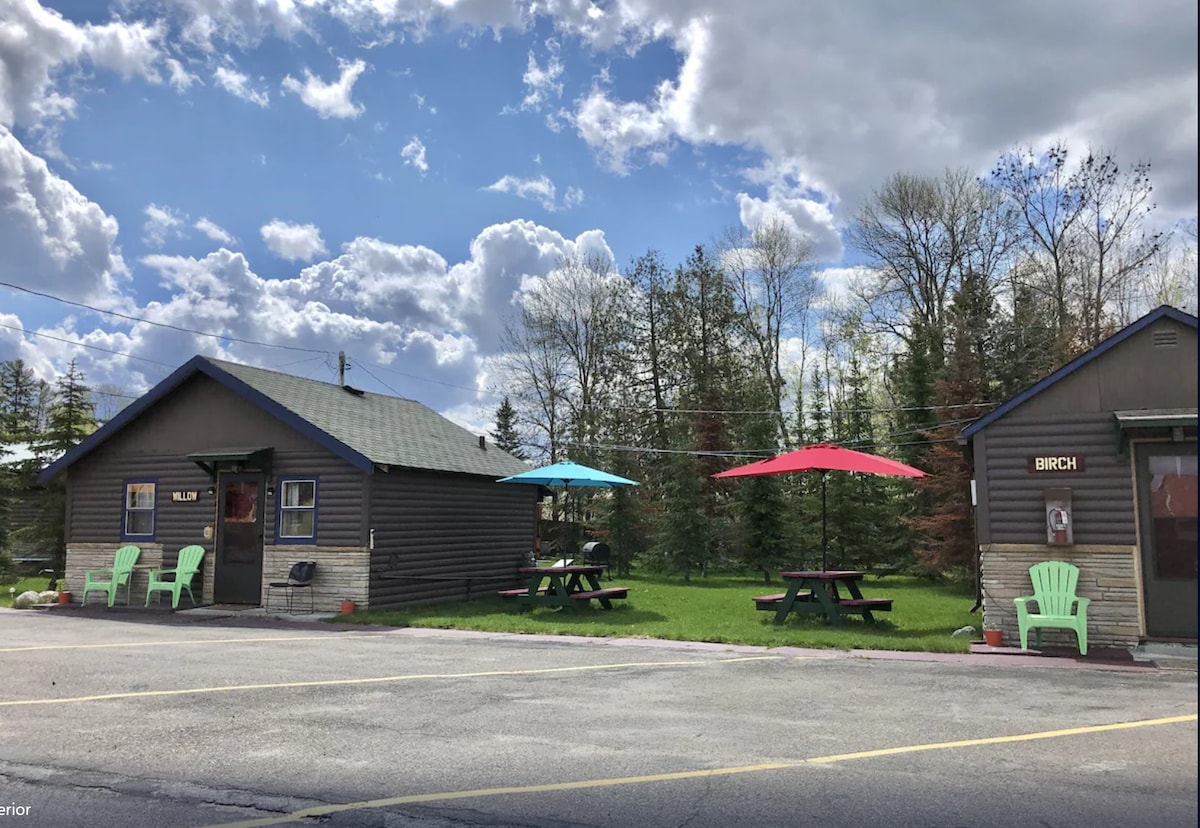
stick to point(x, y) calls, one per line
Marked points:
point(579, 314)
point(770, 273)
point(1113, 245)
point(1051, 207)
point(649, 281)
point(923, 237)
point(1169, 278)
point(535, 374)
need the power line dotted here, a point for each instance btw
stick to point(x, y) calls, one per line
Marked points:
point(750, 454)
point(85, 345)
point(652, 410)
point(170, 327)
point(358, 363)
point(423, 379)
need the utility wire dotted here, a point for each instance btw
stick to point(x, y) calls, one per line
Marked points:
point(179, 328)
point(423, 379)
point(358, 364)
point(653, 410)
point(85, 345)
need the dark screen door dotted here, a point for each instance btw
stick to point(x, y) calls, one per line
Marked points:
point(1166, 477)
point(237, 578)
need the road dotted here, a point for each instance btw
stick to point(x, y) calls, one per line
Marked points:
point(120, 722)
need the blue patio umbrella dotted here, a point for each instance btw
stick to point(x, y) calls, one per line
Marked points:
point(567, 475)
point(570, 476)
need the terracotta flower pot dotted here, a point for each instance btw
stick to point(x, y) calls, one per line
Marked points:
point(347, 607)
point(64, 597)
point(993, 638)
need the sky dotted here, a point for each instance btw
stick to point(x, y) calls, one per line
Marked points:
point(275, 181)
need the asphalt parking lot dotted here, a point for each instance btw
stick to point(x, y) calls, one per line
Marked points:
point(126, 722)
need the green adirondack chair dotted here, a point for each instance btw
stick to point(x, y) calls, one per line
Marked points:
point(1058, 606)
point(109, 580)
point(178, 579)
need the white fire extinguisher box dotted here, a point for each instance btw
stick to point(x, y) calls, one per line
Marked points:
point(1060, 524)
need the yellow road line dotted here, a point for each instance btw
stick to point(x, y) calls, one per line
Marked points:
point(189, 691)
point(448, 796)
point(178, 643)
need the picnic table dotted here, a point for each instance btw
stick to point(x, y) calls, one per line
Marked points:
point(564, 586)
point(820, 592)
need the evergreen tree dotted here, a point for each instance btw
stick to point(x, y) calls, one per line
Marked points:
point(684, 532)
point(862, 515)
point(71, 419)
point(761, 532)
point(18, 402)
point(505, 436)
point(946, 531)
point(810, 526)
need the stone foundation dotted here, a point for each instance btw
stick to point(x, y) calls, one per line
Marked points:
point(84, 556)
point(343, 572)
point(1108, 575)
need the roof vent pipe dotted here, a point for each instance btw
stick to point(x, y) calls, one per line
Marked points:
point(483, 442)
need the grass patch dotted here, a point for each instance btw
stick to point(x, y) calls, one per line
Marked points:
point(716, 609)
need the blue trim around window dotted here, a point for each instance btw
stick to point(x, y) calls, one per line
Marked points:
point(153, 510)
point(283, 481)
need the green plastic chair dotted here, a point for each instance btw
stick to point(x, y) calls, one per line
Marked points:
point(180, 578)
point(109, 580)
point(1058, 605)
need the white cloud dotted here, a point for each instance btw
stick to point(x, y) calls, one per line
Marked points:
point(242, 23)
point(293, 242)
point(52, 236)
point(129, 49)
point(332, 99)
point(179, 77)
point(214, 231)
point(414, 155)
point(856, 93)
point(540, 189)
point(161, 223)
point(837, 280)
point(805, 217)
point(543, 82)
point(238, 84)
point(35, 42)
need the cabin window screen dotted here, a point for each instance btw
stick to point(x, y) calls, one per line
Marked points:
point(138, 517)
point(298, 510)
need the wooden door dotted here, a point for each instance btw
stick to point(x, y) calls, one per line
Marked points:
point(237, 578)
point(1166, 482)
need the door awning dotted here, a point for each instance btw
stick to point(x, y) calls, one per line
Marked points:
point(213, 459)
point(1140, 418)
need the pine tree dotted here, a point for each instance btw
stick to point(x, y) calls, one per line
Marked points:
point(946, 532)
point(72, 418)
point(764, 540)
point(18, 402)
point(505, 436)
point(684, 532)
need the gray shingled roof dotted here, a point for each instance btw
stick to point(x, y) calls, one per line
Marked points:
point(387, 430)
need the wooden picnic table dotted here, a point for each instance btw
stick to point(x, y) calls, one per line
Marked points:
point(818, 592)
point(564, 585)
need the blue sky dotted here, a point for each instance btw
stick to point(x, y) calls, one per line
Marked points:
point(324, 175)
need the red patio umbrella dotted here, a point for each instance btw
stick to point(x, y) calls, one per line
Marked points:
point(824, 457)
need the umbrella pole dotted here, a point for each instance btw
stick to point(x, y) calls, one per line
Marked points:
point(824, 534)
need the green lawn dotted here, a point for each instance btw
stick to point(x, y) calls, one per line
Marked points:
point(717, 609)
point(38, 584)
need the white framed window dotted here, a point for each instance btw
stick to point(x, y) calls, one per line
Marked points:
point(297, 510)
point(138, 518)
